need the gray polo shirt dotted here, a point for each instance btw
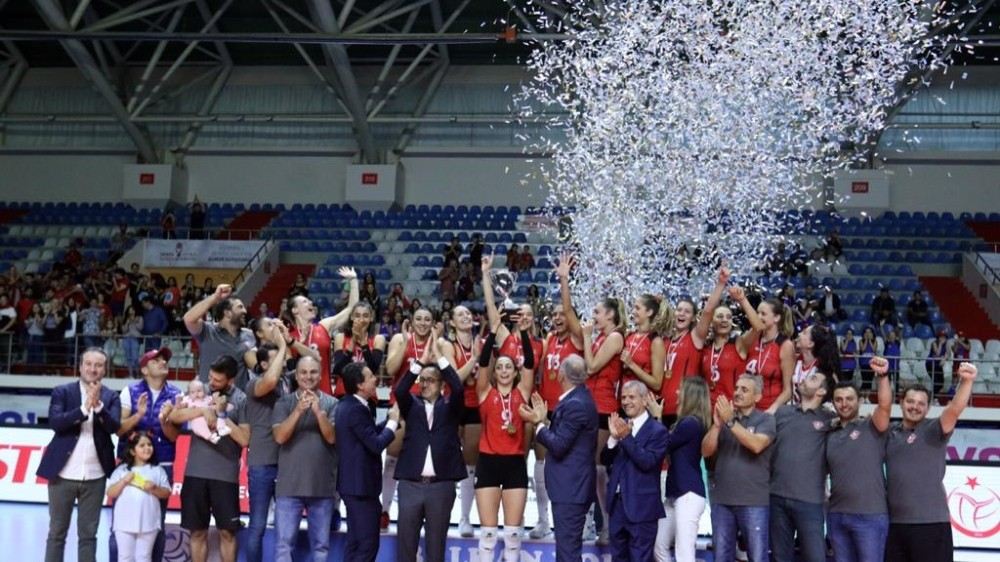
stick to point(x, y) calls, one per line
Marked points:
point(215, 341)
point(741, 477)
point(798, 467)
point(915, 463)
point(263, 450)
point(855, 456)
point(220, 461)
point(307, 465)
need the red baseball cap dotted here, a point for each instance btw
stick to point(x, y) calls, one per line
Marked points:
point(150, 355)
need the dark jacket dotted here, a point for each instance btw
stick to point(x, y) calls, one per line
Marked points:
point(359, 449)
point(571, 442)
point(446, 449)
point(65, 419)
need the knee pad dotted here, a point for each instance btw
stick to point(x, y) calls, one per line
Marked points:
point(488, 539)
point(512, 538)
point(390, 463)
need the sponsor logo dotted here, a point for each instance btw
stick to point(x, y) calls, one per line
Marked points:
point(854, 435)
point(975, 509)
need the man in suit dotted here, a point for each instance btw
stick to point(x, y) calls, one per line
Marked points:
point(430, 461)
point(359, 460)
point(84, 415)
point(634, 455)
point(571, 441)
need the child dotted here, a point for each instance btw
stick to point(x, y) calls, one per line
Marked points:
point(196, 398)
point(137, 485)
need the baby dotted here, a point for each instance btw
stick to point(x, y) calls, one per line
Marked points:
point(196, 398)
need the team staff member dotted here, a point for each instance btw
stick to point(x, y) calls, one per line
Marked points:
point(83, 415)
point(919, 521)
point(858, 519)
point(225, 336)
point(740, 440)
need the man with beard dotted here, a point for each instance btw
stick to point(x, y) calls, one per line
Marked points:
point(225, 336)
point(858, 518)
point(919, 520)
point(798, 473)
point(211, 478)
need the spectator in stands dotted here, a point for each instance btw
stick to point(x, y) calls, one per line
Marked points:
point(537, 303)
point(189, 291)
point(109, 333)
point(833, 248)
point(961, 348)
point(171, 294)
point(225, 336)
point(829, 306)
point(513, 259)
point(120, 288)
point(448, 278)
point(476, 254)
point(168, 225)
point(397, 298)
point(211, 477)
point(196, 220)
point(8, 316)
point(892, 352)
point(526, 261)
point(120, 242)
point(466, 289)
point(90, 324)
point(415, 305)
point(803, 313)
point(453, 251)
point(73, 258)
point(207, 287)
point(34, 326)
point(883, 309)
point(917, 311)
point(848, 356)
point(131, 330)
point(263, 311)
point(867, 349)
point(369, 294)
point(937, 353)
point(299, 288)
point(154, 323)
point(385, 327)
point(55, 325)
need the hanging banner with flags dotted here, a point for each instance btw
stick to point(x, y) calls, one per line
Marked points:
point(215, 254)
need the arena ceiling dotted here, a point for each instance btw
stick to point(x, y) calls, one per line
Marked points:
point(130, 50)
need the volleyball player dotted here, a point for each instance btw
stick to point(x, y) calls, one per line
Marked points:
point(724, 359)
point(817, 351)
point(772, 353)
point(643, 356)
point(355, 343)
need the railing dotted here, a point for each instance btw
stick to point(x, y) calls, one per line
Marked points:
point(35, 355)
point(258, 257)
point(988, 270)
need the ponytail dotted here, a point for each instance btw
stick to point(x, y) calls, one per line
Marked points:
point(618, 307)
point(826, 351)
point(786, 324)
point(663, 316)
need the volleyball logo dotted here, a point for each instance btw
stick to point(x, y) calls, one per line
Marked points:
point(975, 509)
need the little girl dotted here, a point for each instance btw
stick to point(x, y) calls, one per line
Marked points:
point(137, 485)
point(195, 398)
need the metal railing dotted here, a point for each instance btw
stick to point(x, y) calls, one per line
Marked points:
point(21, 353)
point(988, 270)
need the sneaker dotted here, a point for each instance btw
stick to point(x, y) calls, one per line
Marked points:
point(465, 528)
point(541, 530)
point(383, 522)
point(603, 539)
point(589, 533)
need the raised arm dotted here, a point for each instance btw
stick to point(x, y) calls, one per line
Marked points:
point(566, 263)
point(787, 370)
point(194, 318)
point(700, 332)
point(272, 375)
point(333, 323)
point(653, 379)
point(485, 365)
point(611, 348)
point(397, 349)
point(527, 383)
point(492, 313)
point(949, 417)
point(881, 415)
point(756, 324)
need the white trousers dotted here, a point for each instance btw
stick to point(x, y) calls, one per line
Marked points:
point(135, 547)
point(679, 527)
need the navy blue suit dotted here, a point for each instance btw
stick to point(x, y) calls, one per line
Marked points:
point(571, 443)
point(65, 418)
point(633, 481)
point(359, 475)
point(446, 449)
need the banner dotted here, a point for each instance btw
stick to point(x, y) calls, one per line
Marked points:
point(980, 445)
point(216, 254)
point(974, 503)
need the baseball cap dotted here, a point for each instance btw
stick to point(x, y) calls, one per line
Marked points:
point(150, 355)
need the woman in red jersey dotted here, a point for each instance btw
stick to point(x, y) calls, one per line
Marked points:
point(311, 338)
point(463, 353)
point(355, 343)
point(817, 350)
point(502, 472)
point(725, 358)
point(772, 353)
point(404, 348)
point(603, 342)
point(643, 356)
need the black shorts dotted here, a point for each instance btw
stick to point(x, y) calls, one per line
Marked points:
point(501, 471)
point(202, 498)
point(602, 421)
point(470, 416)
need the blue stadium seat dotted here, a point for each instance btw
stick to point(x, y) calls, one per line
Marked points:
point(437, 261)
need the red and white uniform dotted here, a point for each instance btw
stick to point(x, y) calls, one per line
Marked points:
point(512, 348)
point(357, 356)
point(557, 350)
point(411, 353)
point(497, 413)
point(802, 370)
point(603, 385)
point(764, 359)
point(316, 337)
point(639, 347)
point(463, 356)
point(721, 368)
point(683, 360)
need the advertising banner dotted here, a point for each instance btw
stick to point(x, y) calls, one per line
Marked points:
point(216, 254)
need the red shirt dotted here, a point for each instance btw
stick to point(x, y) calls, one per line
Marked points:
point(463, 356)
point(683, 360)
point(412, 352)
point(764, 359)
point(319, 339)
point(639, 346)
point(557, 350)
point(497, 413)
point(721, 368)
point(603, 384)
point(357, 355)
point(512, 348)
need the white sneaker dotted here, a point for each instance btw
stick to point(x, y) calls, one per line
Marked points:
point(589, 533)
point(541, 530)
point(465, 528)
point(603, 539)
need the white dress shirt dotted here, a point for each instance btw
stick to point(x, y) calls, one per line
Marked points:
point(83, 462)
point(636, 426)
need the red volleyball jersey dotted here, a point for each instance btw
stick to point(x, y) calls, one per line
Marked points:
point(556, 351)
point(639, 346)
point(603, 385)
point(721, 368)
point(463, 356)
point(683, 360)
point(357, 356)
point(412, 352)
point(316, 337)
point(511, 347)
point(764, 359)
point(498, 413)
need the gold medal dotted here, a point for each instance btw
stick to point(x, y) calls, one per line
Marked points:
point(511, 429)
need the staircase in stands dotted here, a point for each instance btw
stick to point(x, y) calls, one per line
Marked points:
point(959, 306)
point(247, 225)
point(277, 286)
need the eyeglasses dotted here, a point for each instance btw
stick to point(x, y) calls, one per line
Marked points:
point(429, 380)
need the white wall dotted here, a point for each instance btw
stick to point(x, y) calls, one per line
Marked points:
point(951, 182)
point(76, 177)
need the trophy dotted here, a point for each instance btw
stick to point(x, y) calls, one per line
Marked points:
point(503, 286)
